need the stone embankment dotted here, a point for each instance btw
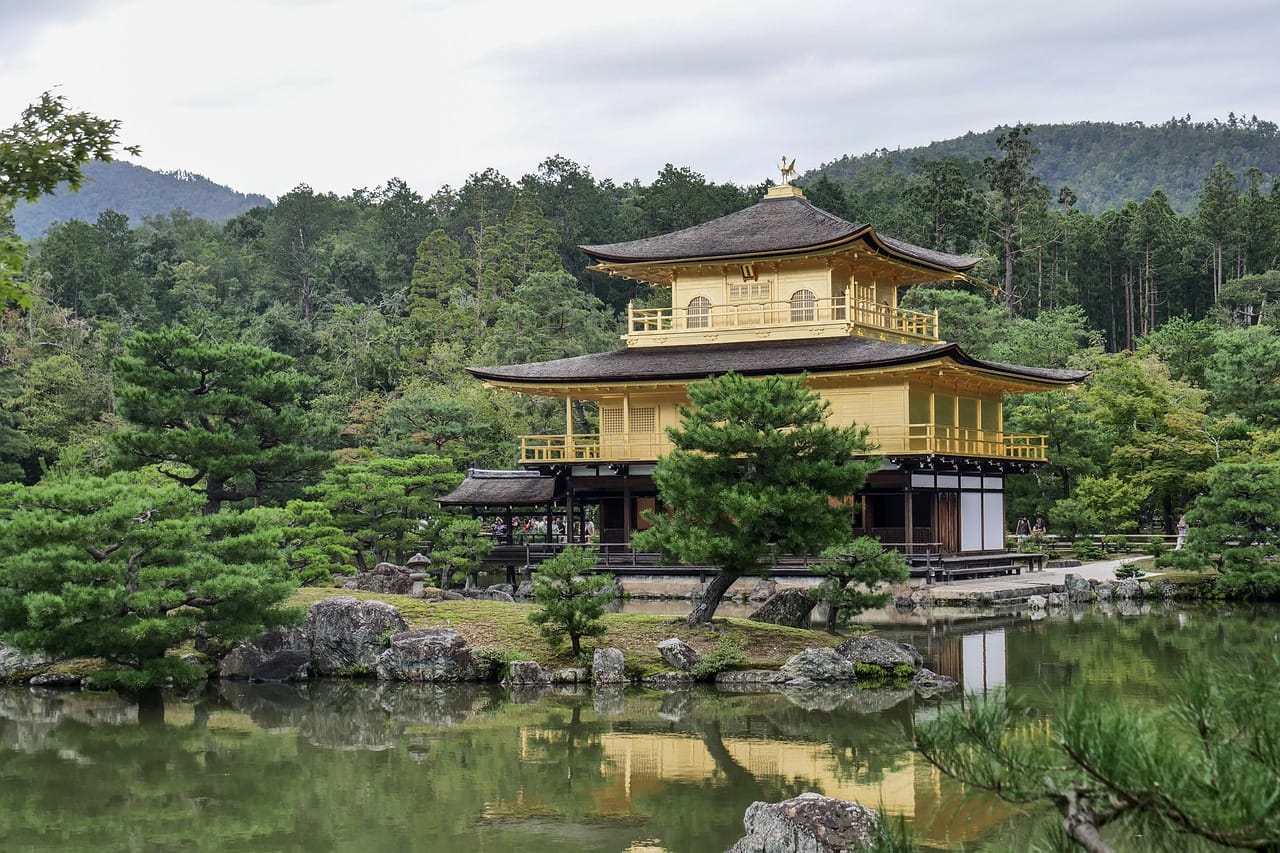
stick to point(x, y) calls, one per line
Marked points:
point(349, 637)
point(345, 636)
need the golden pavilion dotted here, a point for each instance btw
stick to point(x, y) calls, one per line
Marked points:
point(784, 287)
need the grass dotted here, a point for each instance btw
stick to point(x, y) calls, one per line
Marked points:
point(503, 626)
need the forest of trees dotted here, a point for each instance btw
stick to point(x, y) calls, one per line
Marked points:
point(364, 309)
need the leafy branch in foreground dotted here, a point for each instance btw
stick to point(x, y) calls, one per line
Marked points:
point(1206, 767)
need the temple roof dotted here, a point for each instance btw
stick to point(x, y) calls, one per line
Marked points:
point(815, 356)
point(502, 488)
point(772, 226)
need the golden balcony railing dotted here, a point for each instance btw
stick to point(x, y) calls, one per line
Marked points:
point(610, 447)
point(961, 441)
point(912, 439)
point(841, 311)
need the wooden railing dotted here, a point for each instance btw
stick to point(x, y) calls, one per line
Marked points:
point(961, 441)
point(912, 439)
point(840, 310)
point(593, 447)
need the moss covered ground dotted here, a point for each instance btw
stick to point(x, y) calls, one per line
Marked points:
point(505, 627)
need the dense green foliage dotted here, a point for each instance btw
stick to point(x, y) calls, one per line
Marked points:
point(570, 599)
point(337, 328)
point(754, 468)
point(126, 568)
point(224, 418)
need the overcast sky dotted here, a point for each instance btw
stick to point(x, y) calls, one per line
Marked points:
point(262, 95)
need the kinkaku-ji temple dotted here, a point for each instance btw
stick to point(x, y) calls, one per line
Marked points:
point(786, 288)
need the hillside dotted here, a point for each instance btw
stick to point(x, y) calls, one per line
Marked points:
point(137, 192)
point(1109, 164)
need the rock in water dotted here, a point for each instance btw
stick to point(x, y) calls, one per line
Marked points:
point(607, 667)
point(347, 635)
point(818, 665)
point(880, 652)
point(809, 823)
point(429, 654)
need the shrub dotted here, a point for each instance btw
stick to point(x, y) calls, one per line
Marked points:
point(1086, 549)
point(492, 663)
point(1125, 571)
point(726, 655)
point(572, 601)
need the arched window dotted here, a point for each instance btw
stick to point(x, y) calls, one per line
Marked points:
point(802, 306)
point(700, 313)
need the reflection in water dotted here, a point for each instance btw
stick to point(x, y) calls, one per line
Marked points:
point(369, 766)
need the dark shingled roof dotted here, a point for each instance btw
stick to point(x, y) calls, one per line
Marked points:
point(771, 226)
point(697, 361)
point(502, 488)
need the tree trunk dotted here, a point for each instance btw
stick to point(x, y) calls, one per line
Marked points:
point(1008, 267)
point(706, 606)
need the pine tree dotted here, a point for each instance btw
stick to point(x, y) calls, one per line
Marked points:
point(855, 578)
point(572, 600)
point(226, 419)
point(754, 469)
point(126, 568)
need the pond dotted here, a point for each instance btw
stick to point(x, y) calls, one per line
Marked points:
point(368, 766)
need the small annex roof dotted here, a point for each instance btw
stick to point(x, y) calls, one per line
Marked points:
point(775, 226)
point(502, 488)
point(814, 355)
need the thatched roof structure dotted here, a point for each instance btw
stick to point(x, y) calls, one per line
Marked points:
point(502, 488)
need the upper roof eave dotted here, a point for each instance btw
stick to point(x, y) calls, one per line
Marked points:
point(794, 225)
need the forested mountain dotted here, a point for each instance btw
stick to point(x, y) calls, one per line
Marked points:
point(136, 192)
point(1104, 164)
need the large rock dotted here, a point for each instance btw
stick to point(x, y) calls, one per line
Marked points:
point(1037, 602)
point(821, 664)
point(877, 651)
point(1128, 589)
point(607, 667)
point(750, 677)
point(789, 608)
point(571, 675)
point(385, 578)
point(809, 823)
point(347, 635)
point(1077, 588)
point(668, 680)
point(284, 666)
point(429, 654)
point(527, 672)
point(679, 654)
point(256, 659)
point(16, 665)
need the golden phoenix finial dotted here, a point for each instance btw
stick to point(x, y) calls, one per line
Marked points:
point(787, 169)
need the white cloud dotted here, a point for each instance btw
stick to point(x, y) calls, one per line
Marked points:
point(343, 94)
